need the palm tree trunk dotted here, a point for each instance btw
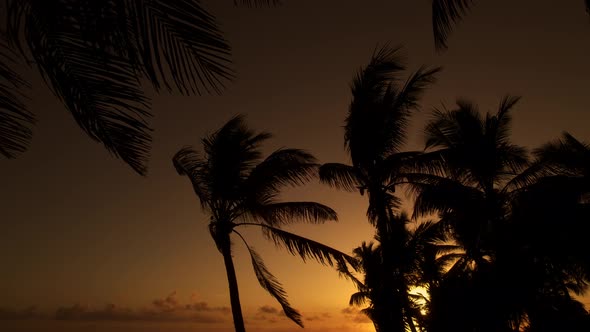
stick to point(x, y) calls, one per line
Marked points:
point(234, 294)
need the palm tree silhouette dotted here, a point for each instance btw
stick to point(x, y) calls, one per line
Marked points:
point(375, 131)
point(503, 211)
point(415, 263)
point(93, 54)
point(237, 188)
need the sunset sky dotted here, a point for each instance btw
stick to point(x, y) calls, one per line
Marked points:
point(86, 240)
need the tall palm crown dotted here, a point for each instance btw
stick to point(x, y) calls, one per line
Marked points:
point(374, 134)
point(236, 187)
point(375, 129)
point(93, 55)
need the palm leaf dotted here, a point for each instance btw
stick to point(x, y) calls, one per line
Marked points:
point(194, 55)
point(15, 120)
point(343, 271)
point(445, 14)
point(289, 212)
point(358, 298)
point(273, 286)
point(97, 85)
point(306, 248)
point(409, 95)
point(373, 80)
point(340, 176)
point(283, 167)
point(188, 162)
point(92, 55)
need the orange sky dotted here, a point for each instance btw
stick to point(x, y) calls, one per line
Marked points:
point(79, 227)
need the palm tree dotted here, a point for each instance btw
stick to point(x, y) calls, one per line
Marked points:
point(499, 208)
point(375, 131)
point(447, 13)
point(93, 54)
point(416, 265)
point(236, 188)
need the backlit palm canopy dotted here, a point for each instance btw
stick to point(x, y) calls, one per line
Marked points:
point(236, 187)
point(470, 191)
point(415, 258)
point(503, 210)
point(93, 56)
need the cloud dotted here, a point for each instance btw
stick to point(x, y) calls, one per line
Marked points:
point(168, 309)
point(268, 313)
point(349, 311)
point(355, 315)
point(23, 314)
point(318, 317)
point(268, 310)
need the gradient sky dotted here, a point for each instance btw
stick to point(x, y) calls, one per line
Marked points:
point(85, 238)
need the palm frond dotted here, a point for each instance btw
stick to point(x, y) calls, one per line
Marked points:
point(499, 125)
point(437, 194)
point(289, 212)
point(372, 80)
point(98, 86)
point(283, 167)
point(409, 95)
point(358, 298)
point(15, 119)
point(445, 14)
point(231, 153)
point(92, 55)
point(189, 162)
point(377, 120)
point(270, 283)
point(180, 41)
point(529, 176)
point(566, 156)
point(306, 248)
point(344, 272)
point(340, 176)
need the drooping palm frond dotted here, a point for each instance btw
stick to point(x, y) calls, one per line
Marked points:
point(92, 55)
point(409, 95)
point(289, 212)
point(306, 248)
point(344, 272)
point(195, 55)
point(270, 283)
point(15, 120)
point(358, 298)
point(188, 162)
point(445, 14)
point(567, 156)
point(341, 176)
